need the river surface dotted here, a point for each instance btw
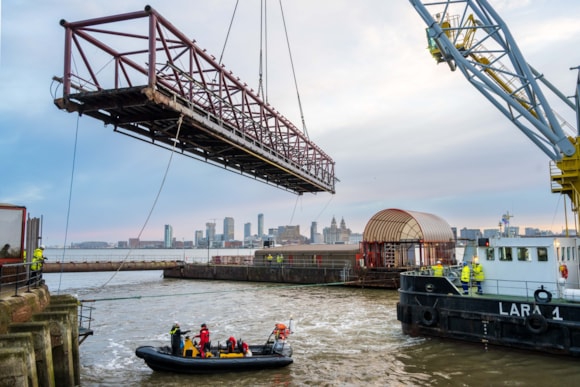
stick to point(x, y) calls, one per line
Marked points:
point(342, 336)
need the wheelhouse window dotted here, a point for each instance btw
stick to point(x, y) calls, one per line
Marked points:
point(542, 254)
point(523, 254)
point(489, 255)
point(505, 253)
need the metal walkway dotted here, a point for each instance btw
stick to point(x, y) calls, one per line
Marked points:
point(142, 84)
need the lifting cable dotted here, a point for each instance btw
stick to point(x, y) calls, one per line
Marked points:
point(263, 50)
point(263, 56)
point(228, 33)
point(293, 72)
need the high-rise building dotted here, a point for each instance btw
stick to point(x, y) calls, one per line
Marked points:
point(315, 236)
point(168, 237)
point(289, 235)
point(313, 227)
point(229, 229)
point(210, 232)
point(260, 225)
point(247, 230)
point(470, 234)
point(198, 237)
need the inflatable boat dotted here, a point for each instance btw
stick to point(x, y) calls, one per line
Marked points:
point(270, 355)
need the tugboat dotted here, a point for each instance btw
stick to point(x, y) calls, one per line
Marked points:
point(530, 296)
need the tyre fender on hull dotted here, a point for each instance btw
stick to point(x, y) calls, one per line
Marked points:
point(429, 316)
point(536, 323)
point(542, 296)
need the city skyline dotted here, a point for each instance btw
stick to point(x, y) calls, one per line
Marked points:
point(404, 132)
point(201, 234)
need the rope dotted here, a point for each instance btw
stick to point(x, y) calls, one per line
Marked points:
point(252, 289)
point(179, 122)
point(72, 175)
point(294, 210)
point(324, 208)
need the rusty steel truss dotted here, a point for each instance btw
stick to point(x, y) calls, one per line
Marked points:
point(160, 87)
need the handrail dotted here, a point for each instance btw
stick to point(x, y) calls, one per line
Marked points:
point(503, 287)
point(15, 277)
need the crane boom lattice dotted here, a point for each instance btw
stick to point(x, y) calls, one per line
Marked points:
point(471, 36)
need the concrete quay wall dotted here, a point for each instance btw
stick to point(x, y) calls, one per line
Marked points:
point(39, 339)
point(360, 277)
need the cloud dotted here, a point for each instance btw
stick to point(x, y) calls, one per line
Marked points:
point(404, 132)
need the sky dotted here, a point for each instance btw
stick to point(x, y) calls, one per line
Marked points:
point(403, 131)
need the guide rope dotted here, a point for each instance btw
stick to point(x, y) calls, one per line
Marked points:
point(154, 204)
point(72, 175)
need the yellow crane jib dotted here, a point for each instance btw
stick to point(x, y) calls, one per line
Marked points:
point(460, 35)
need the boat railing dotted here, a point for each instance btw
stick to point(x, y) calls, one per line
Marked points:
point(448, 271)
point(501, 287)
point(527, 289)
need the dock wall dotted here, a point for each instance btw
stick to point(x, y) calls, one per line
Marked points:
point(39, 339)
point(360, 277)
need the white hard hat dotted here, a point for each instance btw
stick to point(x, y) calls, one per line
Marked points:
point(41, 247)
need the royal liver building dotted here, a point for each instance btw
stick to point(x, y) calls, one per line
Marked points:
point(335, 234)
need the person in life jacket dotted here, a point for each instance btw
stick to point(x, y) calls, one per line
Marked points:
point(269, 258)
point(465, 277)
point(280, 331)
point(176, 333)
point(204, 343)
point(231, 344)
point(246, 349)
point(438, 269)
point(564, 271)
point(478, 275)
point(37, 262)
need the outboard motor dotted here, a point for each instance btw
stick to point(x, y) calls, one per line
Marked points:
point(281, 347)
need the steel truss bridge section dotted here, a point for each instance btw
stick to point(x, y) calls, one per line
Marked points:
point(160, 87)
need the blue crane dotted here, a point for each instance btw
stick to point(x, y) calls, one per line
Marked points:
point(469, 35)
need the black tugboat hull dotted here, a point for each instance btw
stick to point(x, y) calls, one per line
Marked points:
point(433, 306)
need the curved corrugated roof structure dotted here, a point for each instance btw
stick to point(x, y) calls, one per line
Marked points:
point(394, 225)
